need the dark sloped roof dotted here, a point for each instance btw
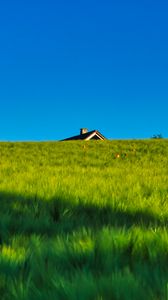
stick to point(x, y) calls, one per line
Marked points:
point(84, 136)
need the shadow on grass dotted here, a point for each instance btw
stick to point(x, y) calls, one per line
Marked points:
point(32, 215)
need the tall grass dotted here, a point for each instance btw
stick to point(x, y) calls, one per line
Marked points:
point(84, 220)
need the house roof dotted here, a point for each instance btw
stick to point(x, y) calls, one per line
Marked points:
point(87, 136)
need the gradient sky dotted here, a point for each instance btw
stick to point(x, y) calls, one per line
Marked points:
point(70, 64)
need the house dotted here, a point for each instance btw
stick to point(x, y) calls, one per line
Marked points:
point(87, 135)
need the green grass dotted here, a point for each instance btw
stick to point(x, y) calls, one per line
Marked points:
point(84, 220)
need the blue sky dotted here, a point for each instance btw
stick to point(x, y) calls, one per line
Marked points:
point(70, 64)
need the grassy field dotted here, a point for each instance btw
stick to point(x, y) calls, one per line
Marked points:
point(84, 220)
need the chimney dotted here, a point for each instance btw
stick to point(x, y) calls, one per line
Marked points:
point(83, 131)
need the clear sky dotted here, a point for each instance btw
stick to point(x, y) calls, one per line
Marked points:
point(70, 64)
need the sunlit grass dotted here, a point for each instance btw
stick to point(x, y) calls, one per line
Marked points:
point(84, 220)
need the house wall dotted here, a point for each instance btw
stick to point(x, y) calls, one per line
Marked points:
point(95, 137)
